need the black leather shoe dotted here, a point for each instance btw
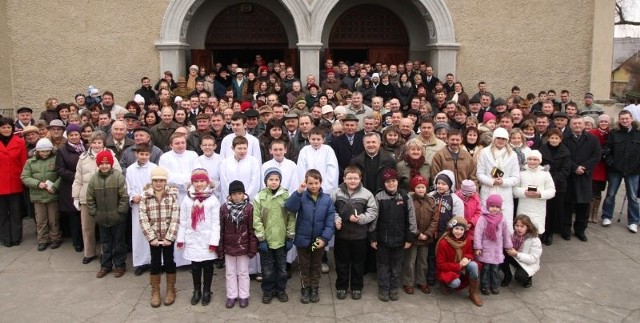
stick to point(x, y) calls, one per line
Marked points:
point(8, 244)
point(195, 299)
point(56, 244)
point(87, 260)
point(566, 236)
point(582, 237)
point(206, 298)
point(16, 243)
point(549, 240)
point(140, 270)
point(43, 246)
point(78, 248)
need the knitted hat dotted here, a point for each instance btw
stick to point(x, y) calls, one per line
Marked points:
point(194, 67)
point(417, 180)
point(444, 178)
point(535, 153)
point(457, 221)
point(604, 117)
point(588, 119)
point(300, 101)
point(139, 99)
point(272, 171)
point(44, 144)
point(375, 75)
point(488, 116)
point(388, 174)
point(326, 109)
point(340, 109)
point(159, 173)
point(500, 133)
point(494, 200)
point(200, 174)
point(104, 156)
point(178, 99)
point(72, 127)
point(236, 187)
point(441, 125)
point(468, 187)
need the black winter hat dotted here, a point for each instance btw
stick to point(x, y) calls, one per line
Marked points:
point(236, 186)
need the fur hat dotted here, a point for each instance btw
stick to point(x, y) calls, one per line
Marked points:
point(457, 221)
point(467, 187)
point(44, 144)
point(159, 173)
point(271, 171)
point(417, 180)
point(494, 200)
point(104, 156)
point(200, 174)
point(236, 187)
point(388, 174)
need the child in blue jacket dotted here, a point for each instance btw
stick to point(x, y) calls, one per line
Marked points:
point(314, 229)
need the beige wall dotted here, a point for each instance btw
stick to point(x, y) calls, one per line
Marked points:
point(537, 45)
point(60, 47)
point(6, 97)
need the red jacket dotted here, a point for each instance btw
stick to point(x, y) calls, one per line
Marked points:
point(446, 269)
point(600, 171)
point(13, 156)
point(472, 211)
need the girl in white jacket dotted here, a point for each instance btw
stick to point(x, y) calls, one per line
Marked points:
point(535, 188)
point(199, 233)
point(525, 254)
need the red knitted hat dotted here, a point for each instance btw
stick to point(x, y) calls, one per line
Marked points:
point(104, 156)
point(418, 180)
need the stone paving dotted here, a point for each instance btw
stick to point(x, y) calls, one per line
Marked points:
point(594, 281)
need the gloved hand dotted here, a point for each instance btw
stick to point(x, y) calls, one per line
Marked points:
point(288, 244)
point(76, 204)
point(263, 246)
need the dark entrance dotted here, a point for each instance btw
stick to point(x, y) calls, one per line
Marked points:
point(368, 32)
point(240, 32)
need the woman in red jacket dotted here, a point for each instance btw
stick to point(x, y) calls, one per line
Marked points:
point(13, 156)
point(599, 181)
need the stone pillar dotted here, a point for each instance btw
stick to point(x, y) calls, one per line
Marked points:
point(172, 58)
point(602, 49)
point(6, 87)
point(309, 60)
point(443, 58)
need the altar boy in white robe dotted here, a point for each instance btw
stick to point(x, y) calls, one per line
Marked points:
point(238, 125)
point(210, 161)
point(138, 176)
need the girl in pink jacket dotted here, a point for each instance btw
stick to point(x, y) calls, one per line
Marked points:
point(468, 193)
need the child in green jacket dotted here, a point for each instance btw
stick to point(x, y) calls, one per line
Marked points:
point(39, 175)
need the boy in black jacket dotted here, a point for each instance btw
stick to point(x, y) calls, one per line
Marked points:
point(394, 230)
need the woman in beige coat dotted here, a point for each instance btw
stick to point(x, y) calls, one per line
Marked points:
point(84, 170)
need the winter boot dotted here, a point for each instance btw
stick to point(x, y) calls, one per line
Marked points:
point(155, 290)
point(595, 207)
point(473, 292)
point(170, 297)
point(206, 288)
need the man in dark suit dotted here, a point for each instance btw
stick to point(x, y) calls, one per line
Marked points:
point(349, 144)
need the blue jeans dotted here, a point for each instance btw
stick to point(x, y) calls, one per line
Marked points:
point(471, 272)
point(490, 278)
point(273, 264)
point(631, 184)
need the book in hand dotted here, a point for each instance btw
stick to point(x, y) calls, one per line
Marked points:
point(496, 172)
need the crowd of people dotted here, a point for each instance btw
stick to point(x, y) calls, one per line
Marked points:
point(399, 173)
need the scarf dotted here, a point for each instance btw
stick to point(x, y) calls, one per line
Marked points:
point(520, 154)
point(197, 212)
point(499, 155)
point(414, 165)
point(5, 139)
point(493, 220)
point(471, 148)
point(236, 211)
point(79, 148)
point(457, 244)
point(518, 241)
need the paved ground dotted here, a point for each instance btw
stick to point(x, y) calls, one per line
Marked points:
point(579, 282)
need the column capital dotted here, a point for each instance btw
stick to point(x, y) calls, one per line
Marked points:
point(309, 46)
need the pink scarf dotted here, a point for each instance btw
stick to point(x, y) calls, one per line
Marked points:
point(518, 241)
point(493, 221)
point(197, 212)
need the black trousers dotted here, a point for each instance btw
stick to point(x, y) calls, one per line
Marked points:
point(520, 275)
point(74, 225)
point(10, 219)
point(160, 253)
point(554, 218)
point(202, 274)
point(580, 222)
point(114, 249)
point(350, 257)
point(389, 267)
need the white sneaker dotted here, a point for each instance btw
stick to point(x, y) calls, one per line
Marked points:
point(606, 222)
point(325, 268)
point(633, 228)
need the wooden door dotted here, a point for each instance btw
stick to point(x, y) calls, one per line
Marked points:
point(389, 55)
point(201, 57)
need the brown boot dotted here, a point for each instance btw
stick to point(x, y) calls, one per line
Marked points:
point(171, 289)
point(155, 290)
point(473, 292)
point(595, 207)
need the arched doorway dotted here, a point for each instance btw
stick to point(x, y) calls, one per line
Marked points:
point(240, 32)
point(368, 32)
